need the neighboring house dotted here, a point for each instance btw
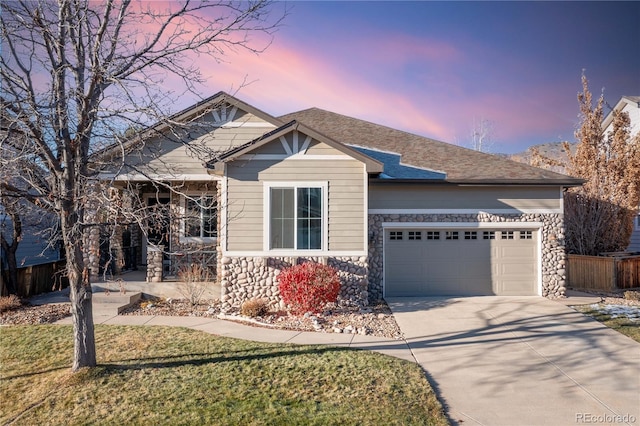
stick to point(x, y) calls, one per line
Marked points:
point(33, 249)
point(630, 105)
point(397, 214)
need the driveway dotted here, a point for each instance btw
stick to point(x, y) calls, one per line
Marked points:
point(521, 361)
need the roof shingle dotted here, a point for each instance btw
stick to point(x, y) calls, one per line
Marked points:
point(461, 165)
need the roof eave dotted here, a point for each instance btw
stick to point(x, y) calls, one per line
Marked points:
point(567, 183)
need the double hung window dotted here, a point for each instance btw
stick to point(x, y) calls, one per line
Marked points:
point(296, 217)
point(201, 219)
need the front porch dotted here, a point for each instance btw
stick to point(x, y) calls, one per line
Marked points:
point(135, 282)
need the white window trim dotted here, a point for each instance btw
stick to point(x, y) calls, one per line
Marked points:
point(266, 224)
point(183, 212)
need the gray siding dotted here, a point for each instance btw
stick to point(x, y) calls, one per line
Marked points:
point(416, 196)
point(172, 157)
point(346, 199)
point(32, 250)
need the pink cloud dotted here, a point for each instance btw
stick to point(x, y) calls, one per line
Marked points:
point(287, 79)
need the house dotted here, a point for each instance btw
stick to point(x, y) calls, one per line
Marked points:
point(34, 248)
point(395, 213)
point(630, 105)
point(36, 258)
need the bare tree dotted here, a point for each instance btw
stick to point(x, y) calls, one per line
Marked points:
point(599, 215)
point(76, 73)
point(481, 135)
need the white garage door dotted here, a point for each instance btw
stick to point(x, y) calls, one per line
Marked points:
point(460, 262)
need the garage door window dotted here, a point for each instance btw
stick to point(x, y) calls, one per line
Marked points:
point(451, 235)
point(395, 235)
point(415, 235)
point(526, 235)
point(433, 235)
point(488, 235)
point(470, 235)
point(507, 235)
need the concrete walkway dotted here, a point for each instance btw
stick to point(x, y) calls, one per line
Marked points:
point(391, 347)
point(491, 360)
point(522, 361)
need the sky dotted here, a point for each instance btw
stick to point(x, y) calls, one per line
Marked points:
point(438, 69)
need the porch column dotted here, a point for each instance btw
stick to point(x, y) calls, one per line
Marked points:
point(154, 264)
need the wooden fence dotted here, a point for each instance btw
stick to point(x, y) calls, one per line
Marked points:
point(602, 272)
point(38, 279)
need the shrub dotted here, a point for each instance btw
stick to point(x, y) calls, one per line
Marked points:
point(193, 282)
point(9, 303)
point(254, 308)
point(308, 287)
point(632, 295)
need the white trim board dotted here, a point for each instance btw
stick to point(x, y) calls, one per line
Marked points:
point(482, 225)
point(299, 156)
point(295, 253)
point(466, 211)
point(157, 177)
point(236, 124)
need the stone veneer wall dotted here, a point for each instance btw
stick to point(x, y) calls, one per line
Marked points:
point(155, 258)
point(245, 278)
point(553, 251)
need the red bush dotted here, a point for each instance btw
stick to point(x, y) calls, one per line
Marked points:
point(308, 287)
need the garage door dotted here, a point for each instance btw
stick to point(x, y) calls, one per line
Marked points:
point(460, 262)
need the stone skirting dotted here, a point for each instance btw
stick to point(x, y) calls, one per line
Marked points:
point(245, 278)
point(553, 256)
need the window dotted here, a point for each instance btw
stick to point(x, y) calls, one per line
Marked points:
point(526, 235)
point(451, 235)
point(507, 235)
point(433, 235)
point(415, 235)
point(201, 218)
point(470, 235)
point(296, 218)
point(488, 235)
point(637, 223)
point(395, 235)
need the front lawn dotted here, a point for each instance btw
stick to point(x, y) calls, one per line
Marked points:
point(166, 375)
point(626, 323)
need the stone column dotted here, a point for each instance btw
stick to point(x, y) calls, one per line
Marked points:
point(154, 264)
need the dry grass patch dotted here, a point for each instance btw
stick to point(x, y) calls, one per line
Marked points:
point(161, 375)
point(621, 324)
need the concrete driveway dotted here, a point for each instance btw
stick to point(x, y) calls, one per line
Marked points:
point(522, 361)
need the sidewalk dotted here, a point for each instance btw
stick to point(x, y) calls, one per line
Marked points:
point(396, 348)
point(391, 347)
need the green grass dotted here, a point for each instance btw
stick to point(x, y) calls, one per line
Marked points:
point(165, 375)
point(620, 324)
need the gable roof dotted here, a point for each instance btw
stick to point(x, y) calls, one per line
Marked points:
point(624, 101)
point(372, 165)
point(461, 165)
point(188, 114)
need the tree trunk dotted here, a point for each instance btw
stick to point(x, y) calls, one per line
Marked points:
point(84, 345)
point(11, 249)
point(12, 276)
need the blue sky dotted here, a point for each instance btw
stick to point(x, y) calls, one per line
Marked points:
point(433, 68)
